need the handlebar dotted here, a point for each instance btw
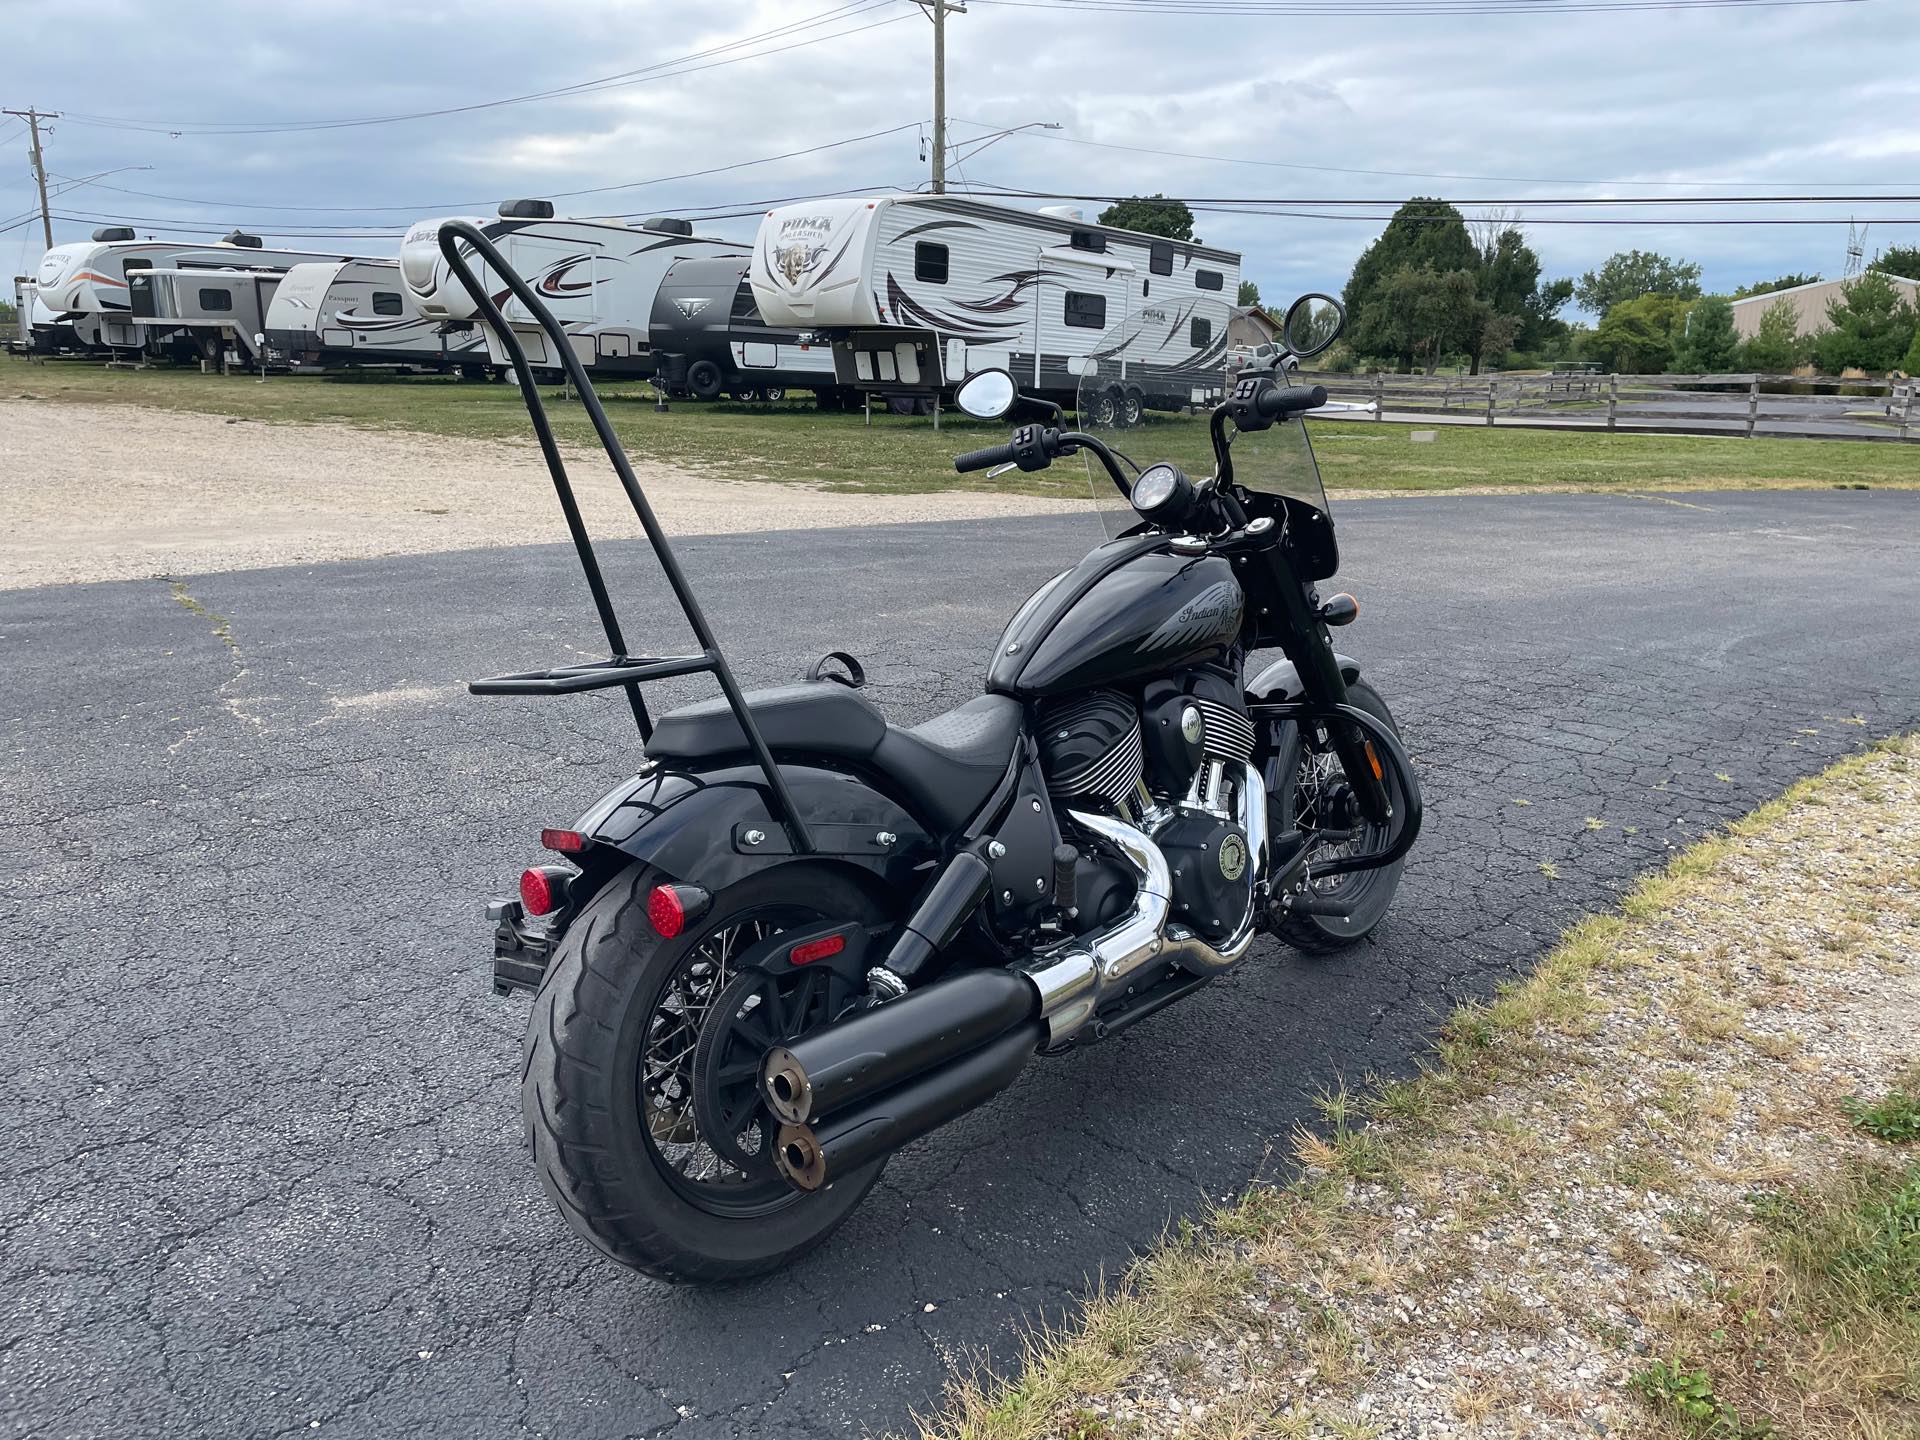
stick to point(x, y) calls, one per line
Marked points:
point(1282, 401)
point(984, 459)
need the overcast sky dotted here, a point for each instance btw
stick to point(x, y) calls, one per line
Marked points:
point(1819, 97)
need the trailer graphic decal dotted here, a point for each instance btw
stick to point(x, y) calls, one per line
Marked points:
point(906, 308)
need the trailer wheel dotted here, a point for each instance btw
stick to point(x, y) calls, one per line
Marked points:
point(705, 380)
point(773, 394)
point(745, 394)
point(1102, 411)
point(1133, 406)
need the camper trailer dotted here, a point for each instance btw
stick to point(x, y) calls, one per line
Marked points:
point(356, 313)
point(86, 282)
point(708, 338)
point(916, 292)
point(26, 295)
point(598, 277)
point(205, 314)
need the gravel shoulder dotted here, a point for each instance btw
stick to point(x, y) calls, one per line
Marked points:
point(1667, 1186)
point(118, 492)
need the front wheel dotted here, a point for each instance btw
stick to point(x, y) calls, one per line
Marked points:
point(609, 1078)
point(1307, 788)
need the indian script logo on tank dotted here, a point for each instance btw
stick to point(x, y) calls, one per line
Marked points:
point(1212, 611)
point(800, 244)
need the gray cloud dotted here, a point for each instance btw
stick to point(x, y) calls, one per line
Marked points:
point(1571, 104)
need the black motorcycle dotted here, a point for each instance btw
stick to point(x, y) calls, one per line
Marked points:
point(801, 937)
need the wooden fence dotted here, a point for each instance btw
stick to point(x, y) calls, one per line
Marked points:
point(1737, 405)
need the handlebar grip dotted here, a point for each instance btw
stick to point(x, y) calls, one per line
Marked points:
point(983, 459)
point(1280, 402)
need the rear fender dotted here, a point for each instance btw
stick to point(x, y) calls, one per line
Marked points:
point(700, 826)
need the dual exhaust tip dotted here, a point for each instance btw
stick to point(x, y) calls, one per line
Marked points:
point(860, 1089)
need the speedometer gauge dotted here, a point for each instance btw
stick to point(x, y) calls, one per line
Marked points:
point(1162, 492)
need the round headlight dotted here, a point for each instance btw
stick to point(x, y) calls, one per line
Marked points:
point(1156, 487)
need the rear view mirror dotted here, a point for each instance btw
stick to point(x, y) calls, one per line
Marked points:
point(1313, 323)
point(987, 395)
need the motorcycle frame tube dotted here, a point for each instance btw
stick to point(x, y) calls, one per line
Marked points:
point(453, 234)
point(1382, 735)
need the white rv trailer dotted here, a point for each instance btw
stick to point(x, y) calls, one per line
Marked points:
point(86, 281)
point(917, 292)
point(598, 277)
point(204, 313)
point(26, 295)
point(357, 312)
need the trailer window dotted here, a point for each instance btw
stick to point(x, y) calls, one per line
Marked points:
point(1086, 312)
point(744, 307)
point(134, 262)
point(1200, 333)
point(930, 262)
point(1088, 240)
point(215, 300)
point(1209, 279)
point(386, 302)
point(1160, 257)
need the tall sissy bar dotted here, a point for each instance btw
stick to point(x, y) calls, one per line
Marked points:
point(621, 669)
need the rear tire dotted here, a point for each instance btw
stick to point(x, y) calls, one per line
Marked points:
point(1292, 773)
point(600, 1138)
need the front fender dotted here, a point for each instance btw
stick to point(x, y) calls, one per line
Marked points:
point(694, 824)
point(1280, 682)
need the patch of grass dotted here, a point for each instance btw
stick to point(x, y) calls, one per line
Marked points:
point(1895, 1117)
point(1689, 1397)
point(794, 443)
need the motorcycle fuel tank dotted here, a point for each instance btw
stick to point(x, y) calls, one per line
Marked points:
point(1124, 613)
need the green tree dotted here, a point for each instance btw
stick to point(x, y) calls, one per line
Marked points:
point(1637, 336)
point(1249, 294)
point(1423, 234)
point(1776, 346)
point(1767, 287)
point(1872, 325)
point(1902, 261)
point(1509, 281)
point(1422, 314)
point(1708, 341)
point(1912, 363)
point(1633, 273)
point(1151, 215)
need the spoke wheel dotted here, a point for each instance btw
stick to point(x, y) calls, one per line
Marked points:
point(1308, 790)
point(717, 1169)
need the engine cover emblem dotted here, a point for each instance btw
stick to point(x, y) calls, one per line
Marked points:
point(1233, 856)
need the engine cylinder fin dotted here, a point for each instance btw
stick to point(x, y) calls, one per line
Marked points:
point(1228, 734)
point(1090, 746)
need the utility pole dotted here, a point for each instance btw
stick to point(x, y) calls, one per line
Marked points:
point(33, 119)
point(936, 11)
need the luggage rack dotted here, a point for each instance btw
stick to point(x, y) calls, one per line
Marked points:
point(622, 669)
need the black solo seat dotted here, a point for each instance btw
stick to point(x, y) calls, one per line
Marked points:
point(945, 768)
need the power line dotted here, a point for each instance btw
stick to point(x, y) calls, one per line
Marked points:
point(426, 207)
point(1403, 9)
point(1400, 174)
point(660, 70)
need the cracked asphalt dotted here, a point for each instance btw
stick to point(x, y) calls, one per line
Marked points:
point(263, 1171)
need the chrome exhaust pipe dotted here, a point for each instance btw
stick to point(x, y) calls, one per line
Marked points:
point(866, 1086)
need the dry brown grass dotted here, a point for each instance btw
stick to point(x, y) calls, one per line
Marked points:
point(1614, 1112)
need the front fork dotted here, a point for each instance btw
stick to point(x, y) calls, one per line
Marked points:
point(1308, 645)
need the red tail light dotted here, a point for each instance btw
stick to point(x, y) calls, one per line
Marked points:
point(566, 842)
point(538, 892)
point(671, 907)
point(817, 949)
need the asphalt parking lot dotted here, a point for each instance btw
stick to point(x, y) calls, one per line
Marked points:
point(262, 1156)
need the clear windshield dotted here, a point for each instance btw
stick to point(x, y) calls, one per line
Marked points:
point(1148, 386)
